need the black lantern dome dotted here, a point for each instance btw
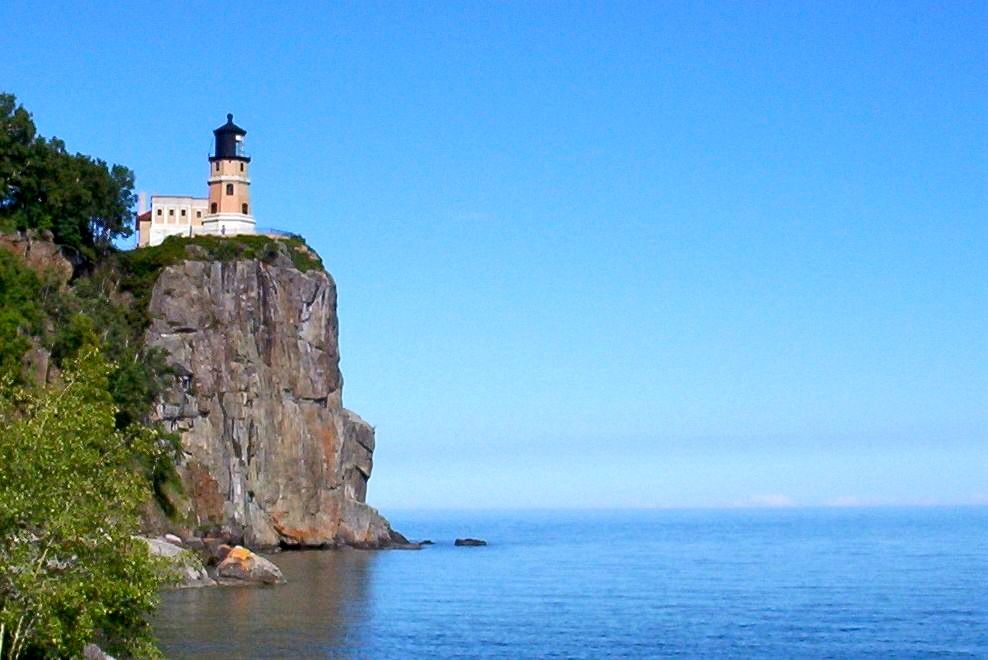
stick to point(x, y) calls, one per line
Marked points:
point(229, 142)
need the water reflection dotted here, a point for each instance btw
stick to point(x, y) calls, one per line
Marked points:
point(322, 610)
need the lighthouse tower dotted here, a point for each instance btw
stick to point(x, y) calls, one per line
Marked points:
point(229, 209)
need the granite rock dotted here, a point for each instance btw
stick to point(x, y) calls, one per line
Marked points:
point(93, 652)
point(469, 543)
point(243, 565)
point(270, 455)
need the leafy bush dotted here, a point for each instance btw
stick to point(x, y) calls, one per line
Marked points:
point(71, 571)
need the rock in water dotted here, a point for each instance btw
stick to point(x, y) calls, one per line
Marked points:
point(270, 456)
point(470, 543)
point(242, 564)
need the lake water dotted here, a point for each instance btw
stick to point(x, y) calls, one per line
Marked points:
point(769, 583)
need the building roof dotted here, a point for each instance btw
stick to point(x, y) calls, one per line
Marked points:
point(191, 198)
point(229, 142)
point(230, 127)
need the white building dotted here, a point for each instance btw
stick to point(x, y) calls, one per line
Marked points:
point(171, 215)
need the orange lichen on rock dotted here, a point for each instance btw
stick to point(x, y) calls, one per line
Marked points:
point(242, 564)
point(240, 554)
point(295, 535)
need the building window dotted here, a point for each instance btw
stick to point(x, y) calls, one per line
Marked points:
point(183, 212)
point(229, 189)
point(159, 211)
point(198, 214)
point(243, 209)
point(212, 207)
point(171, 211)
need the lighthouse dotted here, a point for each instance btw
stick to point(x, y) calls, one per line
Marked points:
point(229, 209)
point(225, 212)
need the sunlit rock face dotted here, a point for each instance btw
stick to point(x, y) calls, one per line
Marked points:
point(270, 454)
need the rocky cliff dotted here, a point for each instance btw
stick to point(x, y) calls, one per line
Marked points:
point(270, 454)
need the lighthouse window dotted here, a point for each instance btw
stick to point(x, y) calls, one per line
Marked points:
point(243, 209)
point(241, 167)
point(217, 167)
point(212, 207)
point(229, 189)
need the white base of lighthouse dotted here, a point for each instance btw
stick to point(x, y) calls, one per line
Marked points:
point(228, 224)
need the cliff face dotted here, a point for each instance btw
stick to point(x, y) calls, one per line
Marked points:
point(269, 451)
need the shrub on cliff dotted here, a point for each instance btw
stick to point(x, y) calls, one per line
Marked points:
point(70, 498)
point(20, 313)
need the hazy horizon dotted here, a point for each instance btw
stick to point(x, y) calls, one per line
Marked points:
point(595, 256)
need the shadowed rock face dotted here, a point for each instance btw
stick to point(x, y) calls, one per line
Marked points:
point(270, 454)
point(40, 253)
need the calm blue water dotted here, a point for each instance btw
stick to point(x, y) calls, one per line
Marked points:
point(768, 583)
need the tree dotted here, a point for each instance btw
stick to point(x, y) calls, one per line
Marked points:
point(84, 202)
point(71, 571)
point(17, 136)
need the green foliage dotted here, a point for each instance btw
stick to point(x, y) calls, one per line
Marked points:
point(94, 311)
point(162, 474)
point(90, 313)
point(20, 314)
point(83, 201)
point(147, 262)
point(70, 498)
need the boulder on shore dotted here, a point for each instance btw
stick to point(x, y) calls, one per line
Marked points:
point(247, 567)
point(183, 567)
point(470, 543)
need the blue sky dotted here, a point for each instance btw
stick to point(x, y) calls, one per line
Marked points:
point(594, 254)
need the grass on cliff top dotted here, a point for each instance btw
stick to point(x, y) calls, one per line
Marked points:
point(138, 269)
point(234, 248)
